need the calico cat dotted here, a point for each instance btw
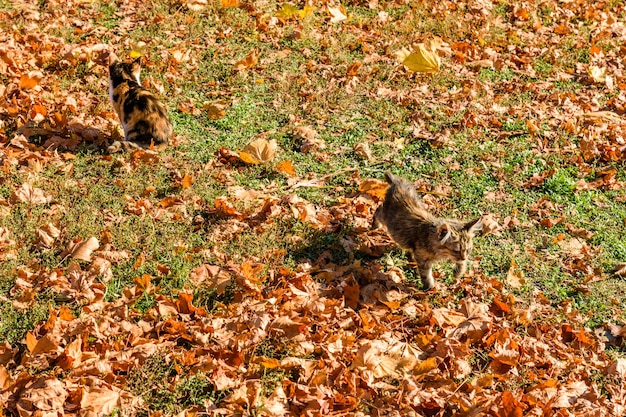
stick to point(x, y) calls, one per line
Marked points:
point(426, 237)
point(143, 117)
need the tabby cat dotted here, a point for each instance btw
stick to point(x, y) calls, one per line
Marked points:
point(426, 237)
point(144, 118)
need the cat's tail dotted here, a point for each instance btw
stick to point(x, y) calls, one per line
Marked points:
point(390, 178)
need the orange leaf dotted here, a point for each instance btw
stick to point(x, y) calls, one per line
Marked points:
point(286, 167)
point(31, 341)
point(248, 62)
point(187, 181)
point(510, 406)
point(230, 3)
point(30, 80)
point(140, 261)
point(143, 282)
point(374, 187)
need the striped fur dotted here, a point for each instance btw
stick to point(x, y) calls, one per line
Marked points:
point(426, 237)
point(143, 117)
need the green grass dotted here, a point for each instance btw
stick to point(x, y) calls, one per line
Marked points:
point(419, 132)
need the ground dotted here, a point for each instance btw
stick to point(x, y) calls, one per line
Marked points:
point(235, 273)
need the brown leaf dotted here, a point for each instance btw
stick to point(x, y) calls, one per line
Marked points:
point(248, 62)
point(47, 234)
point(362, 149)
point(44, 396)
point(337, 14)
point(216, 109)
point(258, 151)
point(101, 401)
point(82, 249)
point(515, 276)
point(620, 269)
point(216, 277)
point(27, 194)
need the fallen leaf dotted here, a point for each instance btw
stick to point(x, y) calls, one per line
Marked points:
point(258, 151)
point(421, 58)
point(286, 167)
point(515, 276)
point(82, 249)
point(229, 3)
point(186, 182)
point(362, 149)
point(620, 269)
point(248, 62)
point(375, 188)
point(30, 80)
point(337, 14)
point(27, 194)
point(216, 109)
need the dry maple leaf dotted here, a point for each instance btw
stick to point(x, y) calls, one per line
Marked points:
point(47, 234)
point(286, 167)
point(375, 188)
point(81, 249)
point(337, 14)
point(196, 5)
point(620, 269)
point(27, 194)
point(248, 62)
point(258, 151)
point(515, 276)
point(42, 396)
point(362, 149)
point(422, 57)
point(216, 109)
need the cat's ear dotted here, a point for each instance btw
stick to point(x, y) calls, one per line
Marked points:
point(474, 226)
point(113, 58)
point(443, 233)
point(135, 66)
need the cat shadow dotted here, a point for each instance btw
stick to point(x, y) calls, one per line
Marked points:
point(334, 257)
point(74, 136)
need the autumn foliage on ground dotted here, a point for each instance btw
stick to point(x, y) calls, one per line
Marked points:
point(241, 277)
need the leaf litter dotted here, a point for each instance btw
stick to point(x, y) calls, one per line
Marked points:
point(360, 341)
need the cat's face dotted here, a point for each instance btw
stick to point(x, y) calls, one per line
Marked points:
point(460, 245)
point(119, 70)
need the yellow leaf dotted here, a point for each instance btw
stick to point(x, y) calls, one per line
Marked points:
point(138, 50)
point(258, 151)
point(287, 11)
point(598, 74)
point(306, 11)
point(422, 58)
point(286, 167)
